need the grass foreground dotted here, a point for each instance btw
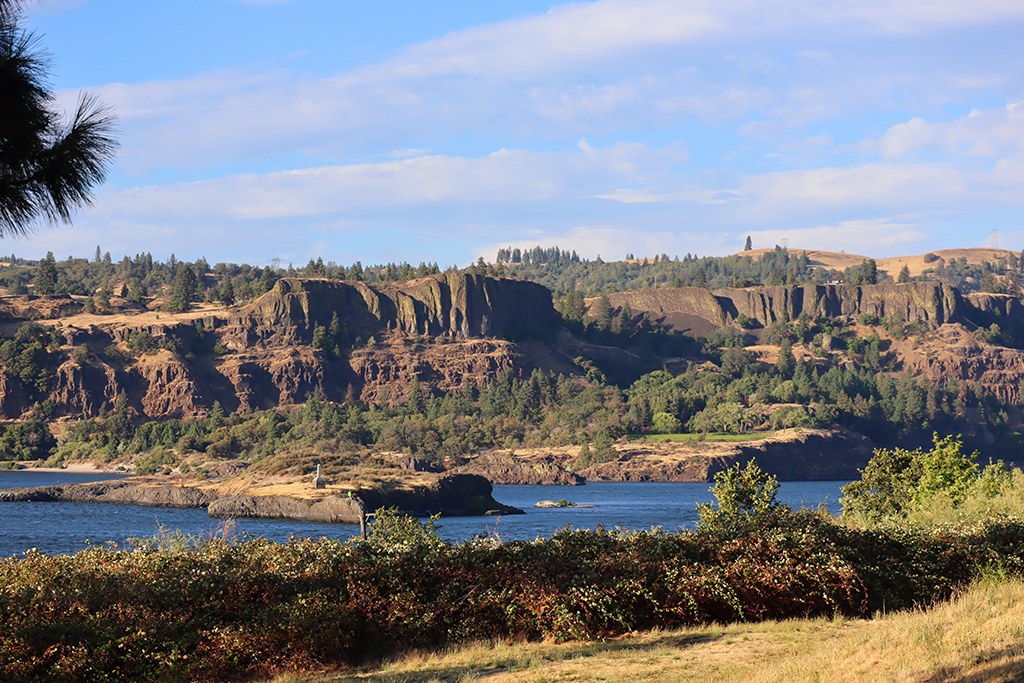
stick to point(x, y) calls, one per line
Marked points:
point(978, 635)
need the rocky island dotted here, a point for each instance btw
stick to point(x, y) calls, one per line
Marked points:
point(240, 496)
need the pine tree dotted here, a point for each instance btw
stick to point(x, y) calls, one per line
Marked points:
point(869, 272)
point(786, 362)
point(319, 337)
point(227, 293)
point(573, 307)
point(48, 166)
point(183, 289)
point(626, 326)
point(749, 245)
point(604, 313)
point(904, 275)
point(46, 275)
point(584, 457)
point(415, 396)
point(216, 416)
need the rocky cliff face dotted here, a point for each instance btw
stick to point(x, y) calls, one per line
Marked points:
point(699, 310)
point(441, 328)
point(455, 305)
point(953, 353)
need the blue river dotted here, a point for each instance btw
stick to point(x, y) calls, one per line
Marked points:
point(60, 528)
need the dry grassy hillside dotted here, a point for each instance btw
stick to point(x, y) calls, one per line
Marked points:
point(892, 265)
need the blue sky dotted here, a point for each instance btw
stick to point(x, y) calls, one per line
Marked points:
point(390, 131)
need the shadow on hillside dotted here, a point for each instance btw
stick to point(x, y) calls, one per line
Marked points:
point(1005, 664)
point(507, 662)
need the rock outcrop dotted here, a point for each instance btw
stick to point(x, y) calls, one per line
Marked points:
point(35, 307)
point(262, 356)
point(449, 495)
point(457, 305)
point(502, 468)
point(790, 455)
point(331, 510)
point(699, 310)
point(794, 455)
point(442, 329)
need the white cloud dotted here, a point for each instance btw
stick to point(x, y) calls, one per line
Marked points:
point(995, 132)
point(502, 176)
point(396, 145)
point(578, 69)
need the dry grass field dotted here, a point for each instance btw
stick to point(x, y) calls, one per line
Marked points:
point(915, 264)
point(978, 636)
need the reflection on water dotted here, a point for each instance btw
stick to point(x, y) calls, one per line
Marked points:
point(69, 527)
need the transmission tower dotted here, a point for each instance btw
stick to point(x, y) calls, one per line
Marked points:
point(785, 243)
point(995, 238)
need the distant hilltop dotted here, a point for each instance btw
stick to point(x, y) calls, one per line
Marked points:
point(840, 261)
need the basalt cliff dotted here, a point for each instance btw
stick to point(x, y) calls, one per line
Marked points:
point(441, 329)
point(444, 330)
point(952, 351)
point(700, 310)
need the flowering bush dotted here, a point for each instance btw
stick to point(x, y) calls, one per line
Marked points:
point(217, 610)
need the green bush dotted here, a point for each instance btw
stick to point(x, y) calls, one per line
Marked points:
point(747, 323)
point(897, 481)
point(746, 498)
point(868, 319)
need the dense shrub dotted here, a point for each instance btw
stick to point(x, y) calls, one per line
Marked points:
point(897, 481)
point(217, 610)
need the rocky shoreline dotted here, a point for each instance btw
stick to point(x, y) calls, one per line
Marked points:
point(789, 455)
point(451, 495)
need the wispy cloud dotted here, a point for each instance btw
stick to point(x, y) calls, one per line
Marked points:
point(607, 126)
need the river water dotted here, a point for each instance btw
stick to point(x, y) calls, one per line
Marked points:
point(59, 528)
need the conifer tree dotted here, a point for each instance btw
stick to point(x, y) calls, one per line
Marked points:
point(183, 289)
point(46, 275)
point(604, 313)
point(227, 293)
point(48, 166)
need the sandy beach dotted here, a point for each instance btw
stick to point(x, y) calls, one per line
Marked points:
point(82, 466)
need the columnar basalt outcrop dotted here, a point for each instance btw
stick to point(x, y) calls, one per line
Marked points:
point(698, 309)
point(441, 329)
point(457, 305)
point(261, 357)
point(82, 388)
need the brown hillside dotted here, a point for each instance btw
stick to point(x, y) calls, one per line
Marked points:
point(442, 329)
point(916, 264)
point(892, 265)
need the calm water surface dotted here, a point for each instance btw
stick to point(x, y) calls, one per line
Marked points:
point(68, 527)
